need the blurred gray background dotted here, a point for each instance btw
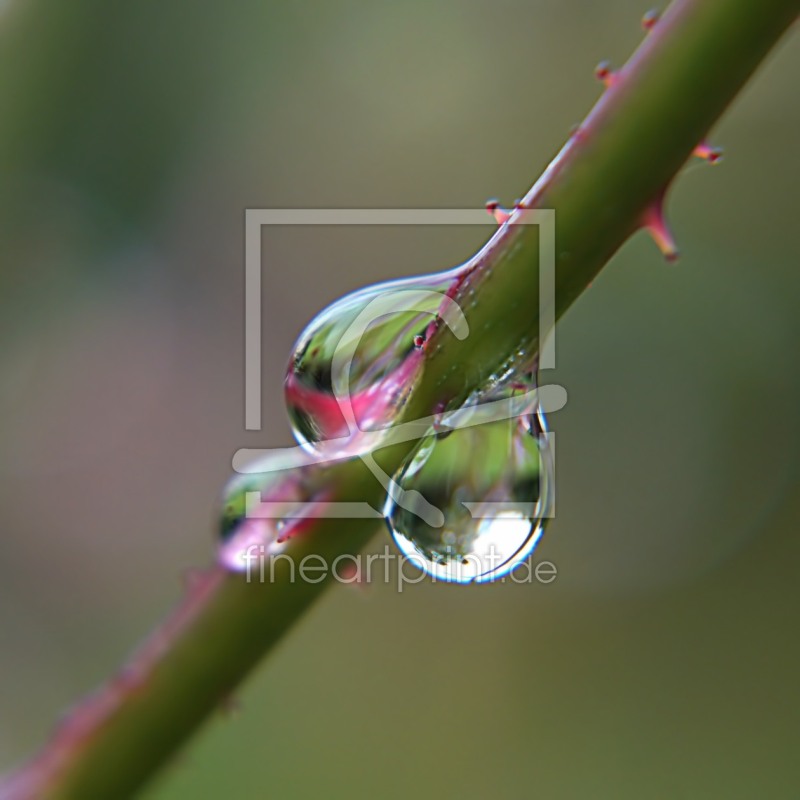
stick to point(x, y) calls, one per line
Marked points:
point(662, 662)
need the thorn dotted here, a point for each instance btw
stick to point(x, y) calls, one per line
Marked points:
point(708, 153)
point(656, 225)
point(500, 214)
point(650, 19)
point(604, 73)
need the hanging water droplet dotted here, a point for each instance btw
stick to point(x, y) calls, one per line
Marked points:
point(493, 482)
point(358, 361)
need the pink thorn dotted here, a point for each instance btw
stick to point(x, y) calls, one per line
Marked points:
point(500, 215)
point(655, 224)
point(708, 153)
point(650, 19)
point(604, 73)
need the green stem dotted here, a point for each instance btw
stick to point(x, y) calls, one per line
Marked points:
point(611, 171)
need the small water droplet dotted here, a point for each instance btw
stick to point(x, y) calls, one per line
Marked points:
point(261, 511)
point(492, 481)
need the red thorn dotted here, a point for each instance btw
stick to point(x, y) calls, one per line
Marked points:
point(708, 153)
point(650, 19)
point(656, 225)
point(500, 214)
point(604, 73)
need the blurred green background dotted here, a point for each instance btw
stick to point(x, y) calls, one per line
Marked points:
point(662, 662)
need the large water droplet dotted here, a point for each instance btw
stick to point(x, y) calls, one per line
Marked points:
point(492, 481)
point(356, 364)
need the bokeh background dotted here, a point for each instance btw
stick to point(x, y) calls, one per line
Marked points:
point(662, 662)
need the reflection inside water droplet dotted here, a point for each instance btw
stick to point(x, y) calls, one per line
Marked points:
point(377, 343)
point(261, 512)
point(493, 482)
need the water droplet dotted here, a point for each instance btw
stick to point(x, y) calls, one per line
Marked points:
point(356, 364)
point(261, 511)
point(490, 476)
